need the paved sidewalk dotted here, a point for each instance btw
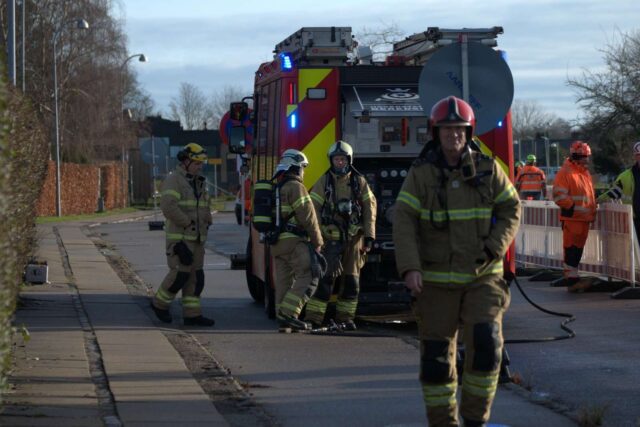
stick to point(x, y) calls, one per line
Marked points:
point(94, 356)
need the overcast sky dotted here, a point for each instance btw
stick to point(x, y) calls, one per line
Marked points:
point(213, 44)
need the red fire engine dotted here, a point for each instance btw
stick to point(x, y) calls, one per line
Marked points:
point(321, 87)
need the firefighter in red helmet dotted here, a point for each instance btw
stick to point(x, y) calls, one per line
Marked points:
point(574, 195)
point(455, 217)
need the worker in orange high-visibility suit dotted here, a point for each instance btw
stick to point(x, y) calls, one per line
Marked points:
point(573, 193)
point(530, 181)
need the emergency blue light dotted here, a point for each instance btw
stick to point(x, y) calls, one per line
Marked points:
point(293, 120)
point(286, 62)
point(500, 124)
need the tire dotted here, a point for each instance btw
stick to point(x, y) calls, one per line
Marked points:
point(269, 301)
point(255, 285)
point(269, 291)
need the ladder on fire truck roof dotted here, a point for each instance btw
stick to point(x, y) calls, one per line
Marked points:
point(418, 47)
point(318, 46)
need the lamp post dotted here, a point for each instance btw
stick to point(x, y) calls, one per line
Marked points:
point(519, 144)
point(80, 24)
point(556, 146)
point(141, 58)
point(546, 154)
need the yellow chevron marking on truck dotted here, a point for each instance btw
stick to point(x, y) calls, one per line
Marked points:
point(310, 78)
point(487, 151)
point(316, 152)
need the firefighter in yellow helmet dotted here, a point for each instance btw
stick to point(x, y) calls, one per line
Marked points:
point(185, 205)
point(346, 208)
point(298, 244)
point(455, 217)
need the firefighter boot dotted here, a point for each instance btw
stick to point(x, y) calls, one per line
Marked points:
point(349, 325)
point(286, 321)
point(198, 321)
point(472, 423)
point(577, 286)
point(162, 315)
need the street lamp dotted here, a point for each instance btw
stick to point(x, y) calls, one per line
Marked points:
point(80, 24)
point(141, 58)
point(556, 146)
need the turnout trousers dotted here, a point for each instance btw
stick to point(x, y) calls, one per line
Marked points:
point(441, 310)
point(293, 282)
point(186, 278)
point(348, 286)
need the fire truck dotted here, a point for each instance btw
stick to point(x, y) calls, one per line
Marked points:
point(320, 87)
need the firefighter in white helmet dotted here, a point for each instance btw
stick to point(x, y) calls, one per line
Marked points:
point(185, 205)
point(455, 217)
point(346, 208)
point(295, 281)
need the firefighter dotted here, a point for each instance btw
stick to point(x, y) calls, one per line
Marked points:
point(455, 217)
point(346, 208)
point(185, 205)
point(626, 187)
point(298, 243)
point(573, 193)
point(531, 182)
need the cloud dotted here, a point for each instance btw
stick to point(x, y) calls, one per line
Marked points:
point(211, 44)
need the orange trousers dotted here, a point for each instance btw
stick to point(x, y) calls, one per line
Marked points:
point(574, 237)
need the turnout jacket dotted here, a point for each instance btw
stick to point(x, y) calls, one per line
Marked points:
point(573, 193)
point(363, 223)
point(297, 212)
point(185, 204)
point(451, 229)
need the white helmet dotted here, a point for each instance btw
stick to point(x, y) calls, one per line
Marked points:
point(636, 148)
point(290, 158)
point(340, 148)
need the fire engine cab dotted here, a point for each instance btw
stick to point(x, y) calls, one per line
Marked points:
point(321, 87)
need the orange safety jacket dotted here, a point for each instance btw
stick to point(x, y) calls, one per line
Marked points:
point(573, 193)
point(531, 178)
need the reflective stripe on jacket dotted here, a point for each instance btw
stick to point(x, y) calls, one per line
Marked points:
point(185, 204)
point(444, 226)
point(366, 225)
point(573, 193)
point(295, 204)
point(622, 188)
point(531, 178)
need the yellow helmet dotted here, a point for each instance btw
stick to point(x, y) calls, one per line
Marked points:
point(193, 152)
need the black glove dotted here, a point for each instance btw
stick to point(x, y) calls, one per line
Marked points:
point(184, 253)
point(368, 243)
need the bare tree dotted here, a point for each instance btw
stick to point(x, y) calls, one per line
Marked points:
point(190, 107)
point(611, 101)
point(528, 119)
point(89, 74)
point(221, 99)
point(380, 39)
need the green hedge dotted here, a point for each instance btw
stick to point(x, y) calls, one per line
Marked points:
point(23, 154)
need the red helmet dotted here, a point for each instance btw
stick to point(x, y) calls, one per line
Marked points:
point(452, 111)
point(579, 149)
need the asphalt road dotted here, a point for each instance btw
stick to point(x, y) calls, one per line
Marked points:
point(319, 380)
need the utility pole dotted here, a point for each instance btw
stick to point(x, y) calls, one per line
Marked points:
point(11, 40)
point(23, 56)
